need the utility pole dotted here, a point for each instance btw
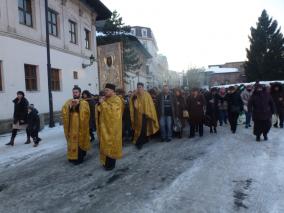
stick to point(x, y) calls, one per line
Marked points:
point(50, 101)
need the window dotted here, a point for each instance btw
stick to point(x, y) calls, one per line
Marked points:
point(144, 33)
point(145, 45)
point(55, 80)
point(25, 12)
point(132, 32)
point(87, 39)
point(31, 77)
point(147, 69)
point(73, 32)
point(1, 84)
point(52, 22)
point(75, 75)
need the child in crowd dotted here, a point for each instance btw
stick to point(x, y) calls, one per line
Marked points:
point(33, 124)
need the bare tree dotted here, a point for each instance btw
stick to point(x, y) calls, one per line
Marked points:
point(195, 77)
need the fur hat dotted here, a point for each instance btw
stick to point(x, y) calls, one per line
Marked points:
point(110, 86)
point(140, 84)
point(21, 93)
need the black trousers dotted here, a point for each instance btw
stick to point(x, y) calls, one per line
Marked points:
point(110, 163)
point(32, 133)
point(262, 127)
point(233, 120)
point(92, 134)
point(143, 136)
point(281, 118)
point(193, 128)
point(15, 131)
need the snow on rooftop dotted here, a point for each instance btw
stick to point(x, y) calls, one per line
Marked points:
point(219, 70)
point(267, 83)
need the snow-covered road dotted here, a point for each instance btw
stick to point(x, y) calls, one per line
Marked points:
point(218, 173)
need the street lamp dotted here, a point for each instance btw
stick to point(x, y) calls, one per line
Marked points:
point(92, 60)
point(50, 101)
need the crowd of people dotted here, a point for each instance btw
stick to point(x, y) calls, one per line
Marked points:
point(139, 115)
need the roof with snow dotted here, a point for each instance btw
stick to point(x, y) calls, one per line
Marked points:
point(219, 70)
point(102, 11)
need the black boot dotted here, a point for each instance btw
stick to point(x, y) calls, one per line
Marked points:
point(28, 141)
point(36, 141)
point(215, 130)
point(12, 140)
point(276, 125)
point(258, 138)
point(265, 137)
point(11, 143)
point(14, 134)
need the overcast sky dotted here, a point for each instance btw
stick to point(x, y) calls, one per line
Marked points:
point(198, 32)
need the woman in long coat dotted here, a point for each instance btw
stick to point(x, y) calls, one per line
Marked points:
point(87, 96)
point(262, 107)
point(196, 105)
point(277, 94)
point(20, 117)
point(180, 107)
point(212, 111)
point(235, 107)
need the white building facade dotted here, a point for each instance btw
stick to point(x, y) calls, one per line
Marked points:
point(23, 58)
point(157, 67)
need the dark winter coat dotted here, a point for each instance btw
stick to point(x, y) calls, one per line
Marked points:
point(126, 114)
point(261, 106)
point(196, 108)
point(20, 110)
point(92, 105)
point(235, 103)
point(179, 106)
point(278, 98)
point(212, 111)
point(33, 121)
point(222, 103)
point(160, 104)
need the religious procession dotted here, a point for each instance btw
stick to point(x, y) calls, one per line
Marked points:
point(141, 116)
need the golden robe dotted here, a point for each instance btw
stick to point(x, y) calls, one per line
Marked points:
point(76, 128)
point(145, 105)
point(109, 128)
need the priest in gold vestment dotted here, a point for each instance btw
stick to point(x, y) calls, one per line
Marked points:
point(76, 116)
point(143, 115)
point(109, 127)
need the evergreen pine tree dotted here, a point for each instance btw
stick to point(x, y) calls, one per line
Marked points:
point(266, 53)
point(114, 26)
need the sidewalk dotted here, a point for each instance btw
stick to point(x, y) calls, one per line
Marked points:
point(52, 140)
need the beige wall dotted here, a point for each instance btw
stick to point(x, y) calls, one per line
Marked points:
point(66, 9)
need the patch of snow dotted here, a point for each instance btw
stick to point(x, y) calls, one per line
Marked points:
point(267, 83)
point(52, 140)
point(219, 70)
